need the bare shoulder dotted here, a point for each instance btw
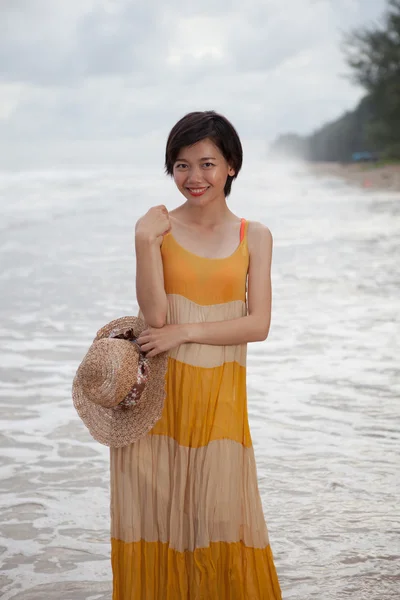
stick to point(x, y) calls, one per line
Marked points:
point(259, 237)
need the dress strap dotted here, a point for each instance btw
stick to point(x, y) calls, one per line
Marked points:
point(242, 229)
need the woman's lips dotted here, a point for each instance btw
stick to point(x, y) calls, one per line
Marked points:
point(197, 191)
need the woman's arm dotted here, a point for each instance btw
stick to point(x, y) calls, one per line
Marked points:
point(150, 292)
point(255, 326)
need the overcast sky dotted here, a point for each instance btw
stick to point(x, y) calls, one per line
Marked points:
point(101, 70)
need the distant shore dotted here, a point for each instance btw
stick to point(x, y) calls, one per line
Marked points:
point(385, 177)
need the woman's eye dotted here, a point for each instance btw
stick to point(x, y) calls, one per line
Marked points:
point(208, 164)
point(180, 166)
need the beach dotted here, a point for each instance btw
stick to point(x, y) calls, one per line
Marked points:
point(323, 388)
point(367, 176)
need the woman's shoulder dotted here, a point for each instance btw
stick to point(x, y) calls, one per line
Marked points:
point(258, 233)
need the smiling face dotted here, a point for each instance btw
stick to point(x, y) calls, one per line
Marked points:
point(200, 172)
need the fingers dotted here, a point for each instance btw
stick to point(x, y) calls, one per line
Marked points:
point(152, 353)
point(162, 208)
point(149, 350)
point(146, 347)
point(144, 335)
point(145, 341)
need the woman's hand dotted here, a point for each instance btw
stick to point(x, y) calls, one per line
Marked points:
point(153, 340)
point(154, 224)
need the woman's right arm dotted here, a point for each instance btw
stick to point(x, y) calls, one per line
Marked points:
point(150, 292)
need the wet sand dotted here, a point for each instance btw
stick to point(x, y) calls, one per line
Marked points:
point(386, 177)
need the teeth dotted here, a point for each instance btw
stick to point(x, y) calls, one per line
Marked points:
point(197, 190)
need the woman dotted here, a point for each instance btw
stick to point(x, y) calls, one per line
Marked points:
point(187, 519)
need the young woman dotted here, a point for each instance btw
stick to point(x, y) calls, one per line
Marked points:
point(187, 519)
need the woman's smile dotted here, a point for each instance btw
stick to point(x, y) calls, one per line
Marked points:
point(199, 191)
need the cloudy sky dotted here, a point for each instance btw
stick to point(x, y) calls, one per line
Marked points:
point(107, 71)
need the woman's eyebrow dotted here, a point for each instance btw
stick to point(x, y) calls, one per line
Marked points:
point(204, 158)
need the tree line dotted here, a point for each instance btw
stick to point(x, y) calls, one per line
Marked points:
point(373, 55)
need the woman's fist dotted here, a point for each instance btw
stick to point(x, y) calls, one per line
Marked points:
point(154, 224)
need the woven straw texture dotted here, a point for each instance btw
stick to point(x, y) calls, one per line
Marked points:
point(118, 426)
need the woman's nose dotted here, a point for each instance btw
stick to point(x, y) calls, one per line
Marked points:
point(194, 175)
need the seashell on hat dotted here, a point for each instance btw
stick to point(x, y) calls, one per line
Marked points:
point(119, 393)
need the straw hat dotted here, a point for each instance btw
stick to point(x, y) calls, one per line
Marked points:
point(118, 392)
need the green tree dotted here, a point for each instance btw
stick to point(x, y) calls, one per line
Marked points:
point(373, 53)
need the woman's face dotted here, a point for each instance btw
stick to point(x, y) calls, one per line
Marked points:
point(200, 172)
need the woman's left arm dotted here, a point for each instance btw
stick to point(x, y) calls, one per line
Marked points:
point(254, 327)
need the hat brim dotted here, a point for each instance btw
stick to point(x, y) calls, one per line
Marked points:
point(119, 426)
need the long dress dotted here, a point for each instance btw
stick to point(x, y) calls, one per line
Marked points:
point(186, 515)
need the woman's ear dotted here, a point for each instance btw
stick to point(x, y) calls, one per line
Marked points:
point(231, 171)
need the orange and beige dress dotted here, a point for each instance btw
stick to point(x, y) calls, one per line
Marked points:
point(186, 515)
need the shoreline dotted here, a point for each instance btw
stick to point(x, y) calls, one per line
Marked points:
point(367, 176)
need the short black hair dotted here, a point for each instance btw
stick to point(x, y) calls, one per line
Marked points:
point(197, 126)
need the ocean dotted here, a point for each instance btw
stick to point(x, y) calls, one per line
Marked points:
point(323, 389)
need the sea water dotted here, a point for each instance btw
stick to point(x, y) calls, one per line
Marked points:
point(323, 389)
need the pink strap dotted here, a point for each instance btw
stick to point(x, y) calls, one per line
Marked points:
point(242, 227)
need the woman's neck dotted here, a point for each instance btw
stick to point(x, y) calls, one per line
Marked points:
point(207, 217)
